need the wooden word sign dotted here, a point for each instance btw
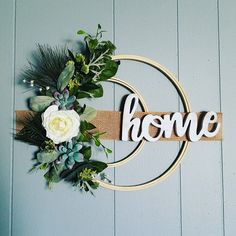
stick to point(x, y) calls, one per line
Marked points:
point(191, 125)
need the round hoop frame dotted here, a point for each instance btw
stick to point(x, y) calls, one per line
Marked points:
point(184, 145)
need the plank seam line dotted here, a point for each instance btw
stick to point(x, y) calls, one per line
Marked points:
point(180, 166)
point(220, 104)
point(114, 105)
point(13, 115)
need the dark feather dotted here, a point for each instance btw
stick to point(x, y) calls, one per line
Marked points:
point(33, 132)
point(46, 66)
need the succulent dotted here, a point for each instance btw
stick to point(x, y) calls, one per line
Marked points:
point(64, 100)
point(69, 153)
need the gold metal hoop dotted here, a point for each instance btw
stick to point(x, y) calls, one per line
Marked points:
point(184, 145)
point(145, 109)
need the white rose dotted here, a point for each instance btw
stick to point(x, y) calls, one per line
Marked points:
point(60, 125)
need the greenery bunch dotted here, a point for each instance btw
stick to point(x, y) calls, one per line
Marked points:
point(63, 77)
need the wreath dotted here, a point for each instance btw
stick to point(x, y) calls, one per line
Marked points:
point(60, 125)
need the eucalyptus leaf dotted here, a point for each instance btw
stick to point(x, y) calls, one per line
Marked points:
point(40, 103)
point(88, 114)
point(53, 175)
point(47, 157)
point(65, 76)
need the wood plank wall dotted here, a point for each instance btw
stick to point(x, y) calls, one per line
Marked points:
point(196, 41)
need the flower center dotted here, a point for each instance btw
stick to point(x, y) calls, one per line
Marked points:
point(60, 125)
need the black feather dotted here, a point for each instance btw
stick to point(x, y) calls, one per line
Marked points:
point(33, 132)
point(46, 66)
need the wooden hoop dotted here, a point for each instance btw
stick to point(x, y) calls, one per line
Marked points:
point(184, 145)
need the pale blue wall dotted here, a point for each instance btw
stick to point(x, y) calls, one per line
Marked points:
point(196, 41)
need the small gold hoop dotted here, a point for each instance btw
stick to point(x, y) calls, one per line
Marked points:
point(184, 145)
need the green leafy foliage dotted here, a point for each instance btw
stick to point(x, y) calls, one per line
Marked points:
point(98, 166)
point(92, 66)
point(62, 77)
point(86, 126)
point(88, 114)
point(87, 152)
point(109, 70)
point(47, 157)
point(53, 175)
point(65, 76)
point(40, 103)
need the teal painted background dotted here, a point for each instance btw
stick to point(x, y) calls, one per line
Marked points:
point(196, 41)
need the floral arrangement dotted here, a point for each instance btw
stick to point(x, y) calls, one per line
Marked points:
point(60, 125)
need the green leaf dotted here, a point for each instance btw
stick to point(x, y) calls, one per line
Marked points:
point(97, 93)
point(93, 185)
point(65, 76)
point(84, 125)
point(98, 166)
point(89, 90)
point(82, 94)
point(80, 109)
point(88, 114)
point(84, 138)
point(81, 32)
point(92, 44)
point(108, 150)
point(43, 166)
point(88, 87)
point(109, 45)
point(97, 135)
point(90, 126)
point(87, 152)
point(47, 157)
point(97, 142)
point(53, 175)
point(40, 103)
point(110, 70)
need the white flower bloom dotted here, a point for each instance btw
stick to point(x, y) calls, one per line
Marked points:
point(60, 125)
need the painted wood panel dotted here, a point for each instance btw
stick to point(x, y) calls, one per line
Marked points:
point(7, 12)
point(62, 211)
point(145, 212)
point(227, 38)
point(202, 205)
point(196, 41)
